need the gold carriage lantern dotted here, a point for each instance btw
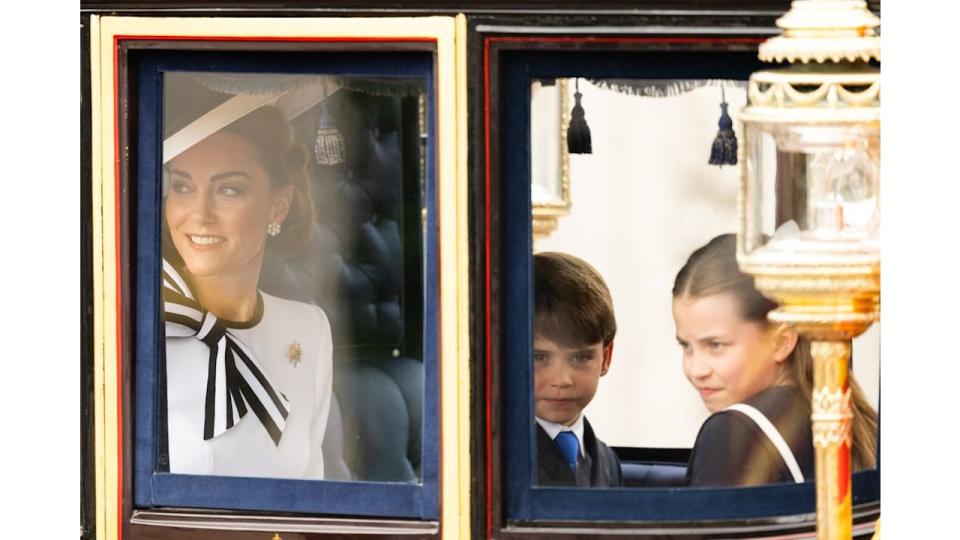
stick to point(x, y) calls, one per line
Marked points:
point(810, 209)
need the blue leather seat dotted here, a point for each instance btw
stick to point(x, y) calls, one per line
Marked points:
point(637, 474)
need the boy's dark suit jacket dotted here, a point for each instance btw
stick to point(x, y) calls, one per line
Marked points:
point(600, 468)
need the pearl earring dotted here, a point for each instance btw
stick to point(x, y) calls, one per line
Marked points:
point(273, 229)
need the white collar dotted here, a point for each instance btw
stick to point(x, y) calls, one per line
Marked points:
point(554, 429)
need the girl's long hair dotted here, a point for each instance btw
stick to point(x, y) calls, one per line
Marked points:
point(713, 269)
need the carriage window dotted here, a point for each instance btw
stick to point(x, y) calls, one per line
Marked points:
point(637, 386)
point(283, 218)
point(631, 177)
point(294, 275)
point(268, 305)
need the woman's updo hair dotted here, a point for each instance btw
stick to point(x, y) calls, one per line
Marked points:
point(285, 161)
point(713, 269)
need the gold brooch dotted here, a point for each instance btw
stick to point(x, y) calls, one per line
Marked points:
point(293, 353)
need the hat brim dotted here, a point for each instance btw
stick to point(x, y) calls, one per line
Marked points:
point(195, 112)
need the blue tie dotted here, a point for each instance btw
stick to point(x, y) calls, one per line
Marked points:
point(569, 446)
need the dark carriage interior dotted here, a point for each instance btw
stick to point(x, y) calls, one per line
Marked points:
point(364, 226)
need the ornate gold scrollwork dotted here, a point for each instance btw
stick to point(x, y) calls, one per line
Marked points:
point(832, 417)
point(782, 89)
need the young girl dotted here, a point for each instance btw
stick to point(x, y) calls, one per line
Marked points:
point(756, 378)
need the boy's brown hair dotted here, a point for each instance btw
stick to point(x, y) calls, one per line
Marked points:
point(572, 305)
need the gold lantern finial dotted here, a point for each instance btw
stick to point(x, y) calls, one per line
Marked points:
point(824, 121)
point(825, 30)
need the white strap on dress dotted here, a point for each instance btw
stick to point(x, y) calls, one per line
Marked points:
point(773, 434)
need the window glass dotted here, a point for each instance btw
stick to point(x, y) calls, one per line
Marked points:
point(295, 279)
point(657, 180)
point(622, 180)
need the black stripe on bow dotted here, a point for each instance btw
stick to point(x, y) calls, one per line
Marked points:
point(263, 382)
point(239, 392)
point(244, 388)
point(210, 405)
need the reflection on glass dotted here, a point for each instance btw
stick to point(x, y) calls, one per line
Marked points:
point(826, 181)
point(639, 206)
point(291, 277)
point(549, 173)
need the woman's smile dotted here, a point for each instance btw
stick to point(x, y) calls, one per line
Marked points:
point(218, 206)
point(203, 241)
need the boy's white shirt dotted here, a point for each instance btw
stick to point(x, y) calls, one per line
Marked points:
point(554, 429)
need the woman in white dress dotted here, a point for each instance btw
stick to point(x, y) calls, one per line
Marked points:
point(248, 375)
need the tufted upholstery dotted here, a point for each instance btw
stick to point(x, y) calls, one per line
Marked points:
point(363, 268)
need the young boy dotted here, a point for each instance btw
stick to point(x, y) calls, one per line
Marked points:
point(574, 326)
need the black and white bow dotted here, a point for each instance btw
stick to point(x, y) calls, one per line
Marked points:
point(235, 380)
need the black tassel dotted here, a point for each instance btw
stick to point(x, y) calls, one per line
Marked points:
point(328, 148)
point(578, 132)
point(724, 150)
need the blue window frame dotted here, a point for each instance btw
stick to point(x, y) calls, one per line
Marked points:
point(154, 488)
point(526, 502)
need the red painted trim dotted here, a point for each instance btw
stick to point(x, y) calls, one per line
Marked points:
point(119, 301)
point(487, 374)
point(486, 131)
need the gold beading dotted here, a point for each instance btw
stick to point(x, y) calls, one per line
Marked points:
point(832, 417)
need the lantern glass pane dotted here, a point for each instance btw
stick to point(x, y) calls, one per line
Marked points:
point(813, 188)
point(760, 196)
